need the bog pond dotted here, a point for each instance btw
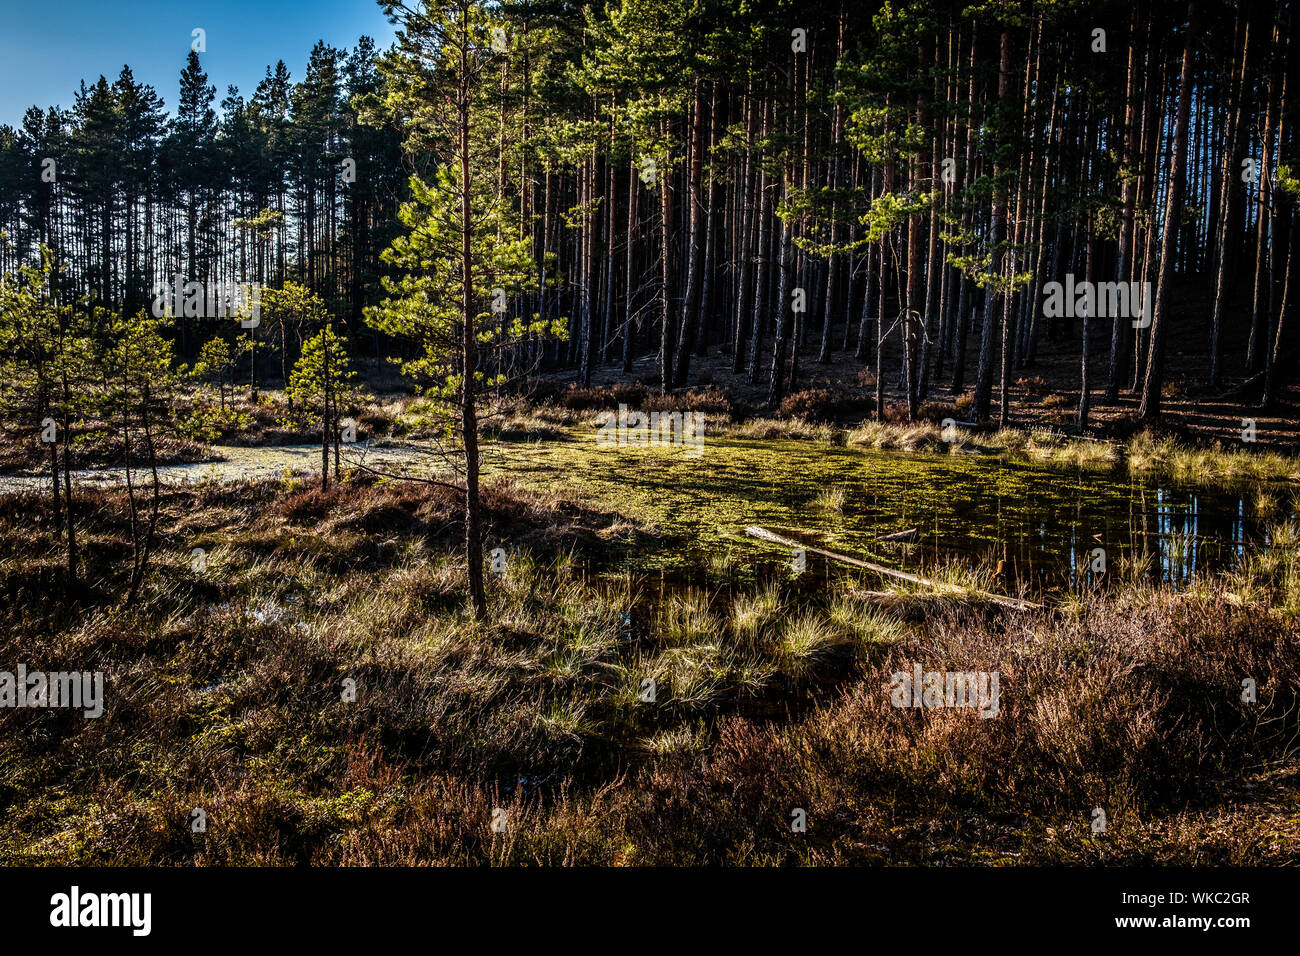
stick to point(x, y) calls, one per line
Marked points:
point(1039, 526)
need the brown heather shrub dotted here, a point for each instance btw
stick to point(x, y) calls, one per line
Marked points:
point(810, 405)
point(604, 396)
point(937, 412)
point(1134, 707)
point(707, 399)
point(896, 414)
point(1034, 385)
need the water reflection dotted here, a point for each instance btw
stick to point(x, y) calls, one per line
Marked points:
point(1045, 527)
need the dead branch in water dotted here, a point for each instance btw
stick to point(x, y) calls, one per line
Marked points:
point(1014, 603)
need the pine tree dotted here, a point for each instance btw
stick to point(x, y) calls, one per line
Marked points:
point(455, 261)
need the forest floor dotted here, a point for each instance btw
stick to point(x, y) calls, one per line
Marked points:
point(1046, 393)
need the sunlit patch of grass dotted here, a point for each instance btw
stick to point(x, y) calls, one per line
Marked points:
point(891, 436)
point(751, 675)
point(770, 429)
point(865, 624)
point(523, 428)
point(1270, 575)
point(807, 640)
point(1264, 503)
point(1142, 454)
point(595, 639)
point(626, 686)
point(754, 612)
point(952, 579)
point(871, 434)
point(438, 639)
point(1075, 454)
point(1012, 439)
point(556, 414)
point(1207, 466)
point(831, 499)
point(678, 740)
point(565, 663)
point(565, 719)
point(1179, 546)
point(685, 619)
point(691, 677)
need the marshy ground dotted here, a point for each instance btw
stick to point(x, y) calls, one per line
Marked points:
point(770, 688)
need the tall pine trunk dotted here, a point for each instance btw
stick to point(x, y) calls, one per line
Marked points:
point(1151, 385)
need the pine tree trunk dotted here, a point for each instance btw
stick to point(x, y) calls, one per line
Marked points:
point(992, 295)
point(1228, 205)
point(1150, 407)
point(469, 350)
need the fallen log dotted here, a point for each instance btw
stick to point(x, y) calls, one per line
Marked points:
point(763, 534)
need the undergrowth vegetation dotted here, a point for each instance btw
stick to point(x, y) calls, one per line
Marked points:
point(615, 720)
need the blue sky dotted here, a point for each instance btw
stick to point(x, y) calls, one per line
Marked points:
point(47, 47)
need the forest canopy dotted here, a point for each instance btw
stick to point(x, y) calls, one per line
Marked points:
point(786, 183)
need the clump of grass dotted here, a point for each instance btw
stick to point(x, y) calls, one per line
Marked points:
point(890, 436)
point(1083, 454)
point(692, 677)
point(685, 620)
point(807, 641)
point(831, 499)
point(812, 405)
point(566, 719)
point(753, 613)
point(721, 564)
point(576, 398)
point(1010, 439)
point(712, 400)
point(1143, 453)
point(1207, 466)
point(772, 429)
point(1136, 568)
point(679, 740)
